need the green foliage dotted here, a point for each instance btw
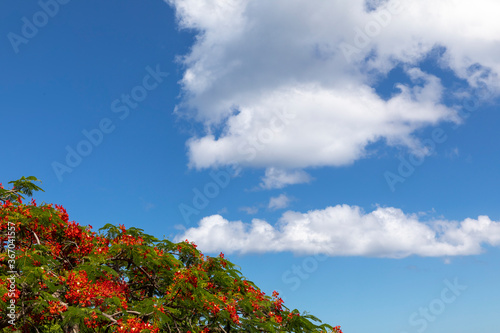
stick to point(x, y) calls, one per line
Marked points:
point(71, 279)
point(21, 186)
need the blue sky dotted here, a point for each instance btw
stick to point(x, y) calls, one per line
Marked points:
point(342, 153)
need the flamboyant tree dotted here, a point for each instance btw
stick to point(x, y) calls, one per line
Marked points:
point(58, 276)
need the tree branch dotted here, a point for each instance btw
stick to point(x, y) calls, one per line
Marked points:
point(36, 237)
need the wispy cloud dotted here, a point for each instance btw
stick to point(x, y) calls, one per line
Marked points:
point(249, 210)
point(146, 204)
point(279, 178)
point(279, 202)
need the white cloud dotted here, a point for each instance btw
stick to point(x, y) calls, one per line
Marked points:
point(346, 230)
point(279, 202)
point(214, 231)
point(254, 61)
point(279, 178)
point(250, 210)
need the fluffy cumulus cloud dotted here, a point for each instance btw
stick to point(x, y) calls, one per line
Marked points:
point(290, 84)
point(347, 231)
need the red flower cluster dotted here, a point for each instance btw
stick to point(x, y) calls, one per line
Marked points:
point(57, 307)
point(135, 325)
point(93, 293)
point(122, 280)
